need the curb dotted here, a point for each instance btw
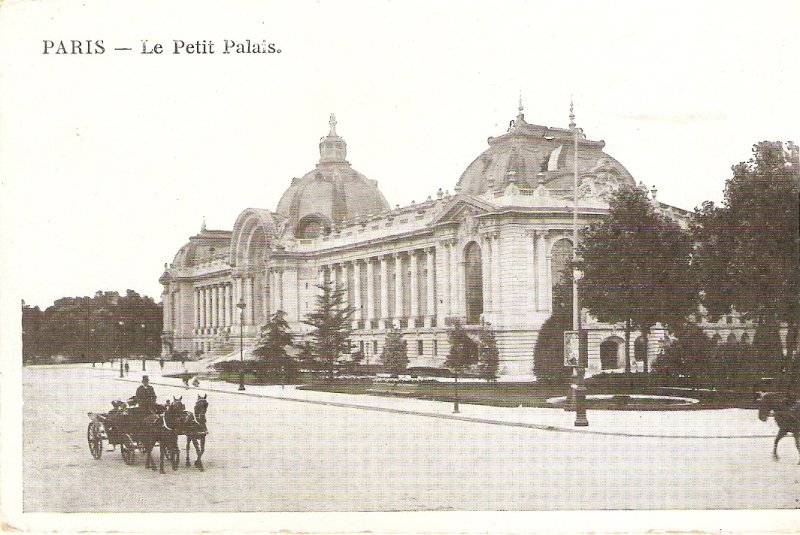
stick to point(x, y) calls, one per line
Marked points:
point(540, 427)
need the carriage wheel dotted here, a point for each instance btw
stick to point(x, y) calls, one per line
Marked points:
point(175, 457)
point(95, 440)
point(128, 450)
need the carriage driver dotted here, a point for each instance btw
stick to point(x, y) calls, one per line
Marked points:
point(145, 395)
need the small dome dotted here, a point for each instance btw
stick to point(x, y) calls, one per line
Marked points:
point(331, 193)
point(203, 247)
point(530, 154)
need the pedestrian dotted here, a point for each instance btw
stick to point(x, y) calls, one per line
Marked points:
point(161, 362)
point(127, 368)
point(196, 382)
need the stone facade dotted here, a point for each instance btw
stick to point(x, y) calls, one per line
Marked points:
point(489, 253)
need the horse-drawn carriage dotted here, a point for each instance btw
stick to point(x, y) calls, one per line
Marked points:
point(136, 430)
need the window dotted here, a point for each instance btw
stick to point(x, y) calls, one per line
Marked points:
point(420, 347)
point(473, 286)
point(375, 347)
point(435, 347)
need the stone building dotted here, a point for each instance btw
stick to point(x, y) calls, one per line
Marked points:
point(490, 252)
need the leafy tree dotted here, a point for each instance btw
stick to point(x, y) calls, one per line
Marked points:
point(488, 355)
point(748, 249)
point(394, 355)
point(274, 361)
point(92, 328)
point(636, 265)
point(330, 336)
point(548, 362)
point(463, 353)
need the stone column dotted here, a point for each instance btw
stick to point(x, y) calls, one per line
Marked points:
point(384, 292)
point(398, 288)
point(225, 305)
point(541, 271)
point(196, 303)
point(252, 300)
point(204, 300)
point(370, 291)
point(444, 277)
point(530, 271)
point(357, 315)
point(455, 283)
point(281, 292)
point(215, 306)
point(497, 290)
point(413, 311)
point(430, 307)
point(486, 267)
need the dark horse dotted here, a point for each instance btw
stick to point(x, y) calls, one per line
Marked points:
point(787, 417)
point(159, 429)
point(193, 425)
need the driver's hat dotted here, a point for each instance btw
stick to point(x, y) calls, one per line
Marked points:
point(145, 378)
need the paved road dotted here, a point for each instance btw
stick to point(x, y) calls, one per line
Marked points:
point(280, 455)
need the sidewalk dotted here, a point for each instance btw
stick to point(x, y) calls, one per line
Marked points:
point(697, 424)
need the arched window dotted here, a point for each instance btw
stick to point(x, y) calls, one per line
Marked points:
point(473, 284)
point(745, 339)
point(731, 339)
point(311, 227)
point(716, 339)
point(560, 255)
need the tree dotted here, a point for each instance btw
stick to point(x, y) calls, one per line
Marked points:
point(94, 327)
point(748, 249)
point(394, 355)
point(636, 265)
point(330, 336)
point(274, 361)
point(488, 355)
point(463, 354)
point(548, 362)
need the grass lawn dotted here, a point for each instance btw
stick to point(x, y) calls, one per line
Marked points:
point(536, 394)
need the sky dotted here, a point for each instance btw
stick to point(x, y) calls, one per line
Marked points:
point(109, 162)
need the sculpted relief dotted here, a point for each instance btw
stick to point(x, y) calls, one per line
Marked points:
point(601, 181)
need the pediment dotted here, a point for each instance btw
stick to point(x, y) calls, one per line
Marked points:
point(460, 208)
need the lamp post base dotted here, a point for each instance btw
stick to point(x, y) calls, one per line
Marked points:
point(455, 408)
point(579, 393)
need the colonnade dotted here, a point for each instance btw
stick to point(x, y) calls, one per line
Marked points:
point(389, 290)
point(213, 306)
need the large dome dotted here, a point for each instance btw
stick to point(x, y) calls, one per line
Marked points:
point(331, 193)
point(529, 155)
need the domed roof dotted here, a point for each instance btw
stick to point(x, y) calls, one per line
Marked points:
point(205, 246)
point(529, 155)
point(331, 193)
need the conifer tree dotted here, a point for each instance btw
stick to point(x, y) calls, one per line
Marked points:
point(330, 336)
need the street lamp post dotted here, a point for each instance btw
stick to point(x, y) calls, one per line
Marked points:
point(579, 391)
point(144, 348)
point(121, 371)
point(241, 305)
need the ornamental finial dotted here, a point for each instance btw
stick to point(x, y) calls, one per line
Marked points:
point(520, 102)
point(572, 124)
point(332, 122)
point(203, 228)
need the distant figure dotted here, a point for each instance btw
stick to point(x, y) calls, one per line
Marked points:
point(127, 368)
point(196, 382)
point(161, 362)
point(185, 381)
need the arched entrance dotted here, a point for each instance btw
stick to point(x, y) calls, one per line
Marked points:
point(473, 283)
point(639, 349)
point(610, 353)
